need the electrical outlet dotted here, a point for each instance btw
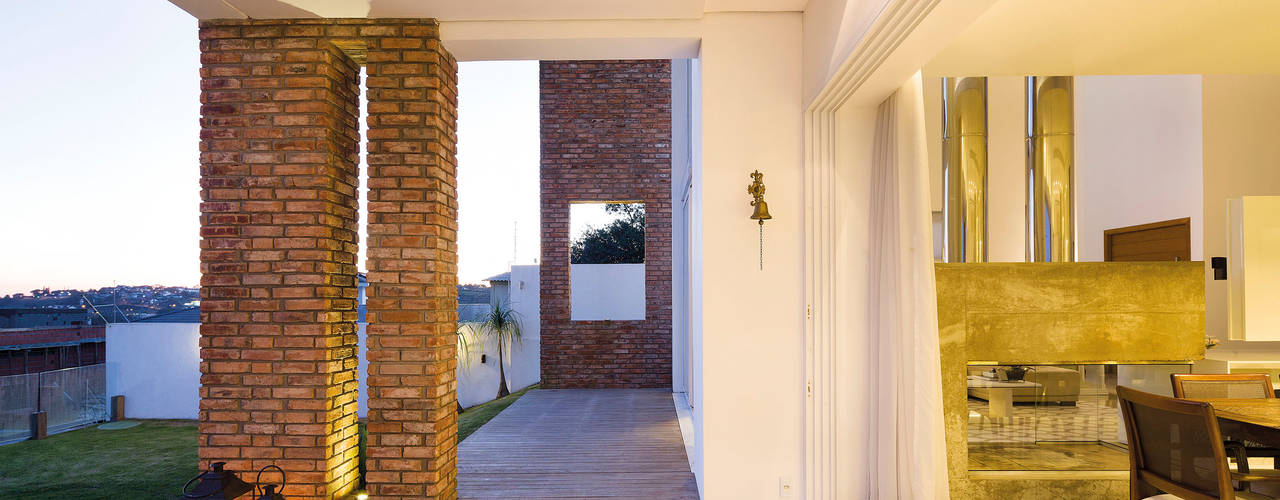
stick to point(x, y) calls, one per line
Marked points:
point(786, 487)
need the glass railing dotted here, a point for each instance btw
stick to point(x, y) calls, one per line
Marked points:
point(71, 398)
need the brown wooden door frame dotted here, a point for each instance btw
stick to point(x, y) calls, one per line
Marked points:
point(1109, 234)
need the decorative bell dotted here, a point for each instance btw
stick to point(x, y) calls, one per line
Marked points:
point(762, 211)
point(756, 190)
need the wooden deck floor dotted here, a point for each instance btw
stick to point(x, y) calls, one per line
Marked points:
point(579, 444)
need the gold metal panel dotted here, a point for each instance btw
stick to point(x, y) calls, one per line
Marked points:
point(1052, 171)
point(1046, 313)
point(964, 143)
point(1167, 287)
point(1042, 488)
point(1086, 312)
point(1076, 337)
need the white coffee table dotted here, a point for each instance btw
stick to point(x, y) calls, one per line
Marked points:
point(999, 394)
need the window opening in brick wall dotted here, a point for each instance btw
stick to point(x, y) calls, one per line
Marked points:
point(606, 256)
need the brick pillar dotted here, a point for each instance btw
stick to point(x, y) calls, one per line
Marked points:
point(412, 305)
point(278, 225)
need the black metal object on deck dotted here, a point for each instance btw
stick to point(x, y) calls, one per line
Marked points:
point(216, 484)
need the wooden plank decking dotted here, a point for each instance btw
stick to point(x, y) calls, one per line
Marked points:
point(611, 443)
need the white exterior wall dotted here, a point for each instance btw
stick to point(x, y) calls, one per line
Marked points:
point(362, 370)
point(694, 274)
point(524, 368)
point(748, 412)
point(606, 291)
point(681, 183)
point(156, 367)
point(478, 380)
point(1139, 155)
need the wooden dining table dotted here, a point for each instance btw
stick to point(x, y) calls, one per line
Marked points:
point(1256, 420)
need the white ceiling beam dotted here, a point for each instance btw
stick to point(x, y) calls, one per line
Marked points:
point(480, 10)
point(209, 9)
point(514, 40)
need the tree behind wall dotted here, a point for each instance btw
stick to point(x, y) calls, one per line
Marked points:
point(619, 242)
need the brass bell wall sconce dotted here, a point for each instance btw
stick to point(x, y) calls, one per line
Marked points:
point(761, 212)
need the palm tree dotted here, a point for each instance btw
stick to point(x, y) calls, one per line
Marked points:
point(502, 323)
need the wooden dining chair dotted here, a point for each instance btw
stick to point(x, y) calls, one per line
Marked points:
point(1175, 447)
point(1229, 386)
point(1222, 386)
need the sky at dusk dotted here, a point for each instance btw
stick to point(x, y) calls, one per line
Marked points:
point(99, 183)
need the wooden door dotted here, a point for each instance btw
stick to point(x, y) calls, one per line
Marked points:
point(1166, 240)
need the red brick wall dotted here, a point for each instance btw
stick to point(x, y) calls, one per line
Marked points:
point(606, 136)
point(279, 146)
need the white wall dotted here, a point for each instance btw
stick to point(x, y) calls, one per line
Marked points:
point(832, 28)
point(852, 282)
point(1241, 158)
point(478, 380)
point(478, 373)
point(606, 291)
point(1138, 156)
point(524, 368)
point(750, 405)
point(681, 184)
point(362, 371)
point(156, 367)
point(1006, 169)
point(695, 273)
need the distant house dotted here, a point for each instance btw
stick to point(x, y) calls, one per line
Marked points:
point(499, 288)
point(188, 315)
point(34, 350)
point(42, 317)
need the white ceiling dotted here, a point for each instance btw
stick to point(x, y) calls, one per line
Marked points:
point(481, 10)
point(1095, 37)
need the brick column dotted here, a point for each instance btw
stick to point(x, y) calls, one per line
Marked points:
point(278, 165)
point(278, 225)
point(412, 305)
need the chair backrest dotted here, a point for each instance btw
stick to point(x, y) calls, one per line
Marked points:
point(1222, 386)
point(1174, 446)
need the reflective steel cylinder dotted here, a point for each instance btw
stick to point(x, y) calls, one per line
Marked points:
point(964, 168)
point(1051, 227)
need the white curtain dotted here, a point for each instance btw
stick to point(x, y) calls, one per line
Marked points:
point(908, 458)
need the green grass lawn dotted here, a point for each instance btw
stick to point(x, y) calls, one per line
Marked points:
point(474, 417)
point(150, 461)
